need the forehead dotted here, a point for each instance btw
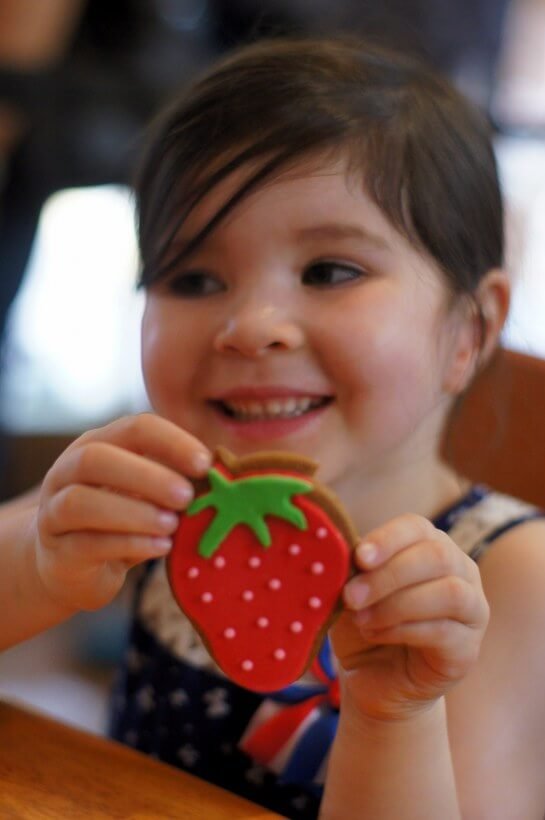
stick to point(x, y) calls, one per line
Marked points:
point(320, 188)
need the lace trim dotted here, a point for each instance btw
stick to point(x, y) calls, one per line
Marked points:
point(475, 528)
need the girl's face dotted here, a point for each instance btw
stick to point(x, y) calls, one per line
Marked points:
point(305, 322)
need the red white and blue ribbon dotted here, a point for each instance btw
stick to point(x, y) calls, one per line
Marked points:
point(292, 731)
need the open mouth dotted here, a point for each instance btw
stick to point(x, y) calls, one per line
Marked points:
point(271, 409)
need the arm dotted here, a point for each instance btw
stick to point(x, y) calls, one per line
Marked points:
point(401, 769)
point(103, 507)
point(27, 608)
point(416, 619)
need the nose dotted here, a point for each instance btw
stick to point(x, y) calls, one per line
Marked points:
point(256, 329)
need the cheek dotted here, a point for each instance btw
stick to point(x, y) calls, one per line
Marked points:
point(384, 355)
point(162, 363)
point(157, 374)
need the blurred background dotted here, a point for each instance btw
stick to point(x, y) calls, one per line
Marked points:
point(79, 80)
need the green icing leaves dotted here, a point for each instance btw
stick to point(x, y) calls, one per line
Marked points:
point(248, 501)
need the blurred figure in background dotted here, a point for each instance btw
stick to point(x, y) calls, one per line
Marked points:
point(33, 40)
point(78, 81)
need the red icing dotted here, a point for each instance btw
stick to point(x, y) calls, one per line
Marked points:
point(250, 657)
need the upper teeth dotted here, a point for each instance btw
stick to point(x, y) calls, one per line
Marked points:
point(272, 408)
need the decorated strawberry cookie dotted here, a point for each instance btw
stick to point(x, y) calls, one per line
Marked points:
point(259, 563)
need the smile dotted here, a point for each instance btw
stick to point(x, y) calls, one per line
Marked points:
point(273, 409)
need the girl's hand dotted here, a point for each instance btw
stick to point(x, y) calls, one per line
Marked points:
point(111, 501)
point(415, 618)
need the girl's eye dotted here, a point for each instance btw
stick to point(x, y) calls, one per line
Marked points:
point(195, 284)
point(329, 274)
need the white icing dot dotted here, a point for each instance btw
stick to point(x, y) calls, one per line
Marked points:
point(219, 562)
point(263, 622)
point(193, 572)
point(296, 626)
point(248, 595)
point(294, 549)
point(317, 568)
point(254, 562)
point(314, 603)
point(321, 532)
point(229, 632)
point(275, 583)
point(279, 654)
point(206, 597)
point(247, 665)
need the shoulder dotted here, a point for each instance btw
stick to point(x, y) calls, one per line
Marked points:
point(513, 575)
point(513, 578)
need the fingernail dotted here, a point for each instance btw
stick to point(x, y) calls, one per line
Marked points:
point(167, 520)
point(356, 595)
point(182, 493)
point(367, 553)
point(202, 461)
point(162, 545)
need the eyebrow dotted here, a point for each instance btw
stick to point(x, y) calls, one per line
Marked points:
point(341, 230)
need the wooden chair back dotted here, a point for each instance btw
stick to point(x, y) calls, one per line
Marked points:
point(497, 434)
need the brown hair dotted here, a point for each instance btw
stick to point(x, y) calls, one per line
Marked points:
point(423, 152)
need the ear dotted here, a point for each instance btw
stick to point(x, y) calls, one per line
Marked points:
point(493, 297)
point(478, 324)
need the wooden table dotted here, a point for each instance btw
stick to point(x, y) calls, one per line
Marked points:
point(49, 770)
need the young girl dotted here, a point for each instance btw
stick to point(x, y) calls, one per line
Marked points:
point(321, 237)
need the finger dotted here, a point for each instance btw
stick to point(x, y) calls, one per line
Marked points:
point(450, 652)
point(105, 465)
point(451, 598)
point(420, 634)
point(158, 439)
point(81, 508)
point(423, 561)
point(449, 639)
point(381, 543)
point(91, 548)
